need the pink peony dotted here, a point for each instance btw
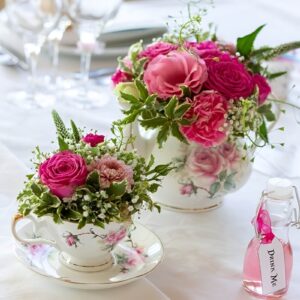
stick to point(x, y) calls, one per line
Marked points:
point(93, 139)
point(263, 87)
point(205, 162)
point(114, 237)
point(120, 76)
point(230, 78)
point(156, 49)
point(166, 73)
point(63, 173)
point(230, 153)
point(186, 189)
point(209, 108)
point(112, 170)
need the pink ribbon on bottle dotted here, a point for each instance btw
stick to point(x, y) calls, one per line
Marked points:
point(264, 227)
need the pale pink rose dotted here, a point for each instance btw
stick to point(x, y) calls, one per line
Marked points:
point(63, 173)
point(120, 76)
point(111, 170)
point(230, 153)
point(263, 87)
point(35, 249)
point(165, 74)
point(93, 139)
point(205, 162)
point(230, 78)
point(114, 237)
point(156, 49)
point(209, 109)
point(131, 261)
point(139, 250)
point(186, 189)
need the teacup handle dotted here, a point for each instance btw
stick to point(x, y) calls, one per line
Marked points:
point(18, 217)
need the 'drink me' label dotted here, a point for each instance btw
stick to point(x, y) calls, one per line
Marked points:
point(272, 267)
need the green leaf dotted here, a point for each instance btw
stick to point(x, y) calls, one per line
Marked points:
point(72, 214)
point(75, 131)
point(142, 89)
point(245, 43)
point(130, 98)
point(153, 123)
point(170, 107)
point(228, 185)
point(275, 75)
point(150, 100)
point(266, 110)
point(263, 132)
point(93, 180)
point(29, 176)
point(36, 189)
point(99, 223)
point(62, 144)
point(60, 126)
point(214, 188)
point(177, 133)
point(186, 92)
point(163, 134)
point(181, 110)
point(222, 175)
point(117, 188)
point(50, 200)
point(186, 122)
point(81, 223)
point(130, 118)
point(153, 187)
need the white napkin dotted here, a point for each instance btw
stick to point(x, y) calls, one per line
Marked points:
point(17, 282)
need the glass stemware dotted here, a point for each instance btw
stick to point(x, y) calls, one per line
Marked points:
point(89, 18)
point(33, 20)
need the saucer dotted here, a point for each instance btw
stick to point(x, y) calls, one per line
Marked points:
point(134, 257)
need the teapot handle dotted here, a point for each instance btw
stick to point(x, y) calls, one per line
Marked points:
point(36, 225)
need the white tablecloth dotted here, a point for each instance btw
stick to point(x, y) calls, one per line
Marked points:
point(204, 252)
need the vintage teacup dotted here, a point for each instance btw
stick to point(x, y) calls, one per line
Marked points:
point(86, 249)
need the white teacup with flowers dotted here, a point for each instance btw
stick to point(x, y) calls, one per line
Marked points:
point(83, 195)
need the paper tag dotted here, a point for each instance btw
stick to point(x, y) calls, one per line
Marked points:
point(272, 267)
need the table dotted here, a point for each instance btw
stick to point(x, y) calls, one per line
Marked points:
point(204, 252)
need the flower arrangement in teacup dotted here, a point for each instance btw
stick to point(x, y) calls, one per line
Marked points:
point(194, 87)
point(85, 193)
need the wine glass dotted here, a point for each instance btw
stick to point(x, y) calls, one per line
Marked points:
point(33, 20)
point(89, 18)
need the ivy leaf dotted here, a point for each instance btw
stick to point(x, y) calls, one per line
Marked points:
point(130, 118)
point(186, 92)
point(181, 110)
point(36, 189)
point(177, 133)
point(62, 144)
point(150, 100)
point(170, 107)
point(142, 89)
point(81, 223)
point(75, 131)
point(163, 134)
point(72, 214)
point(245, 43)
point(130, 98)
point(154, 122)
point(93, 180)
point(50, 200)
point(117, 188)
point(99, 223)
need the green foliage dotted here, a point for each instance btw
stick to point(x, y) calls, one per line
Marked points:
point(60, 126)
point(76, 134)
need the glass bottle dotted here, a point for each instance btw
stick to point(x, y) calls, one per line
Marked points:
point(269, 259)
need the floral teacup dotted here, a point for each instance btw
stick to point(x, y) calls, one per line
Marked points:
point(86, 249)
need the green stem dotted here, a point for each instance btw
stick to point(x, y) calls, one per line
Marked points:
point(284, 102)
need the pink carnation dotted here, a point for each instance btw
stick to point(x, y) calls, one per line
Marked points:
point(263, 87)
point(156, 49)
point(165, 74)
point(112, 170)
point(93, 139)
point(209, 108)
point(120, 76)
point(63, 173)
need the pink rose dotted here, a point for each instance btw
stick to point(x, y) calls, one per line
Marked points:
point(205, 162)
point(230, 153)
point(209, 108)
point(93, 139)
point(230, 78)
point(120, 76)
point(201, 47)
point(263, 87)
point(114, 237)
point(63, 173)
point(166, 73)
point(111, 170)
point(186, 189)
point(156, 49)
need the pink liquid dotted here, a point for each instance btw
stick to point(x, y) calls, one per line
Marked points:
point(252, 277)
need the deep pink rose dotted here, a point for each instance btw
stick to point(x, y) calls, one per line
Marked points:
point(112, 170)
point(63, 173)
point(156, 49)
point(166, 73)
point(209, 108)
point(120, 76)
point(205, 162)
point(230, 153)
point(93, 139)
point(230, 78)
point(263, 87)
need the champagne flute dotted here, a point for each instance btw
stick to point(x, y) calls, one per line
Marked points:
point(33, 20)
point(89, 18)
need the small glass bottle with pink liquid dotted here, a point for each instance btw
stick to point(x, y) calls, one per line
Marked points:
point(269, 258)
